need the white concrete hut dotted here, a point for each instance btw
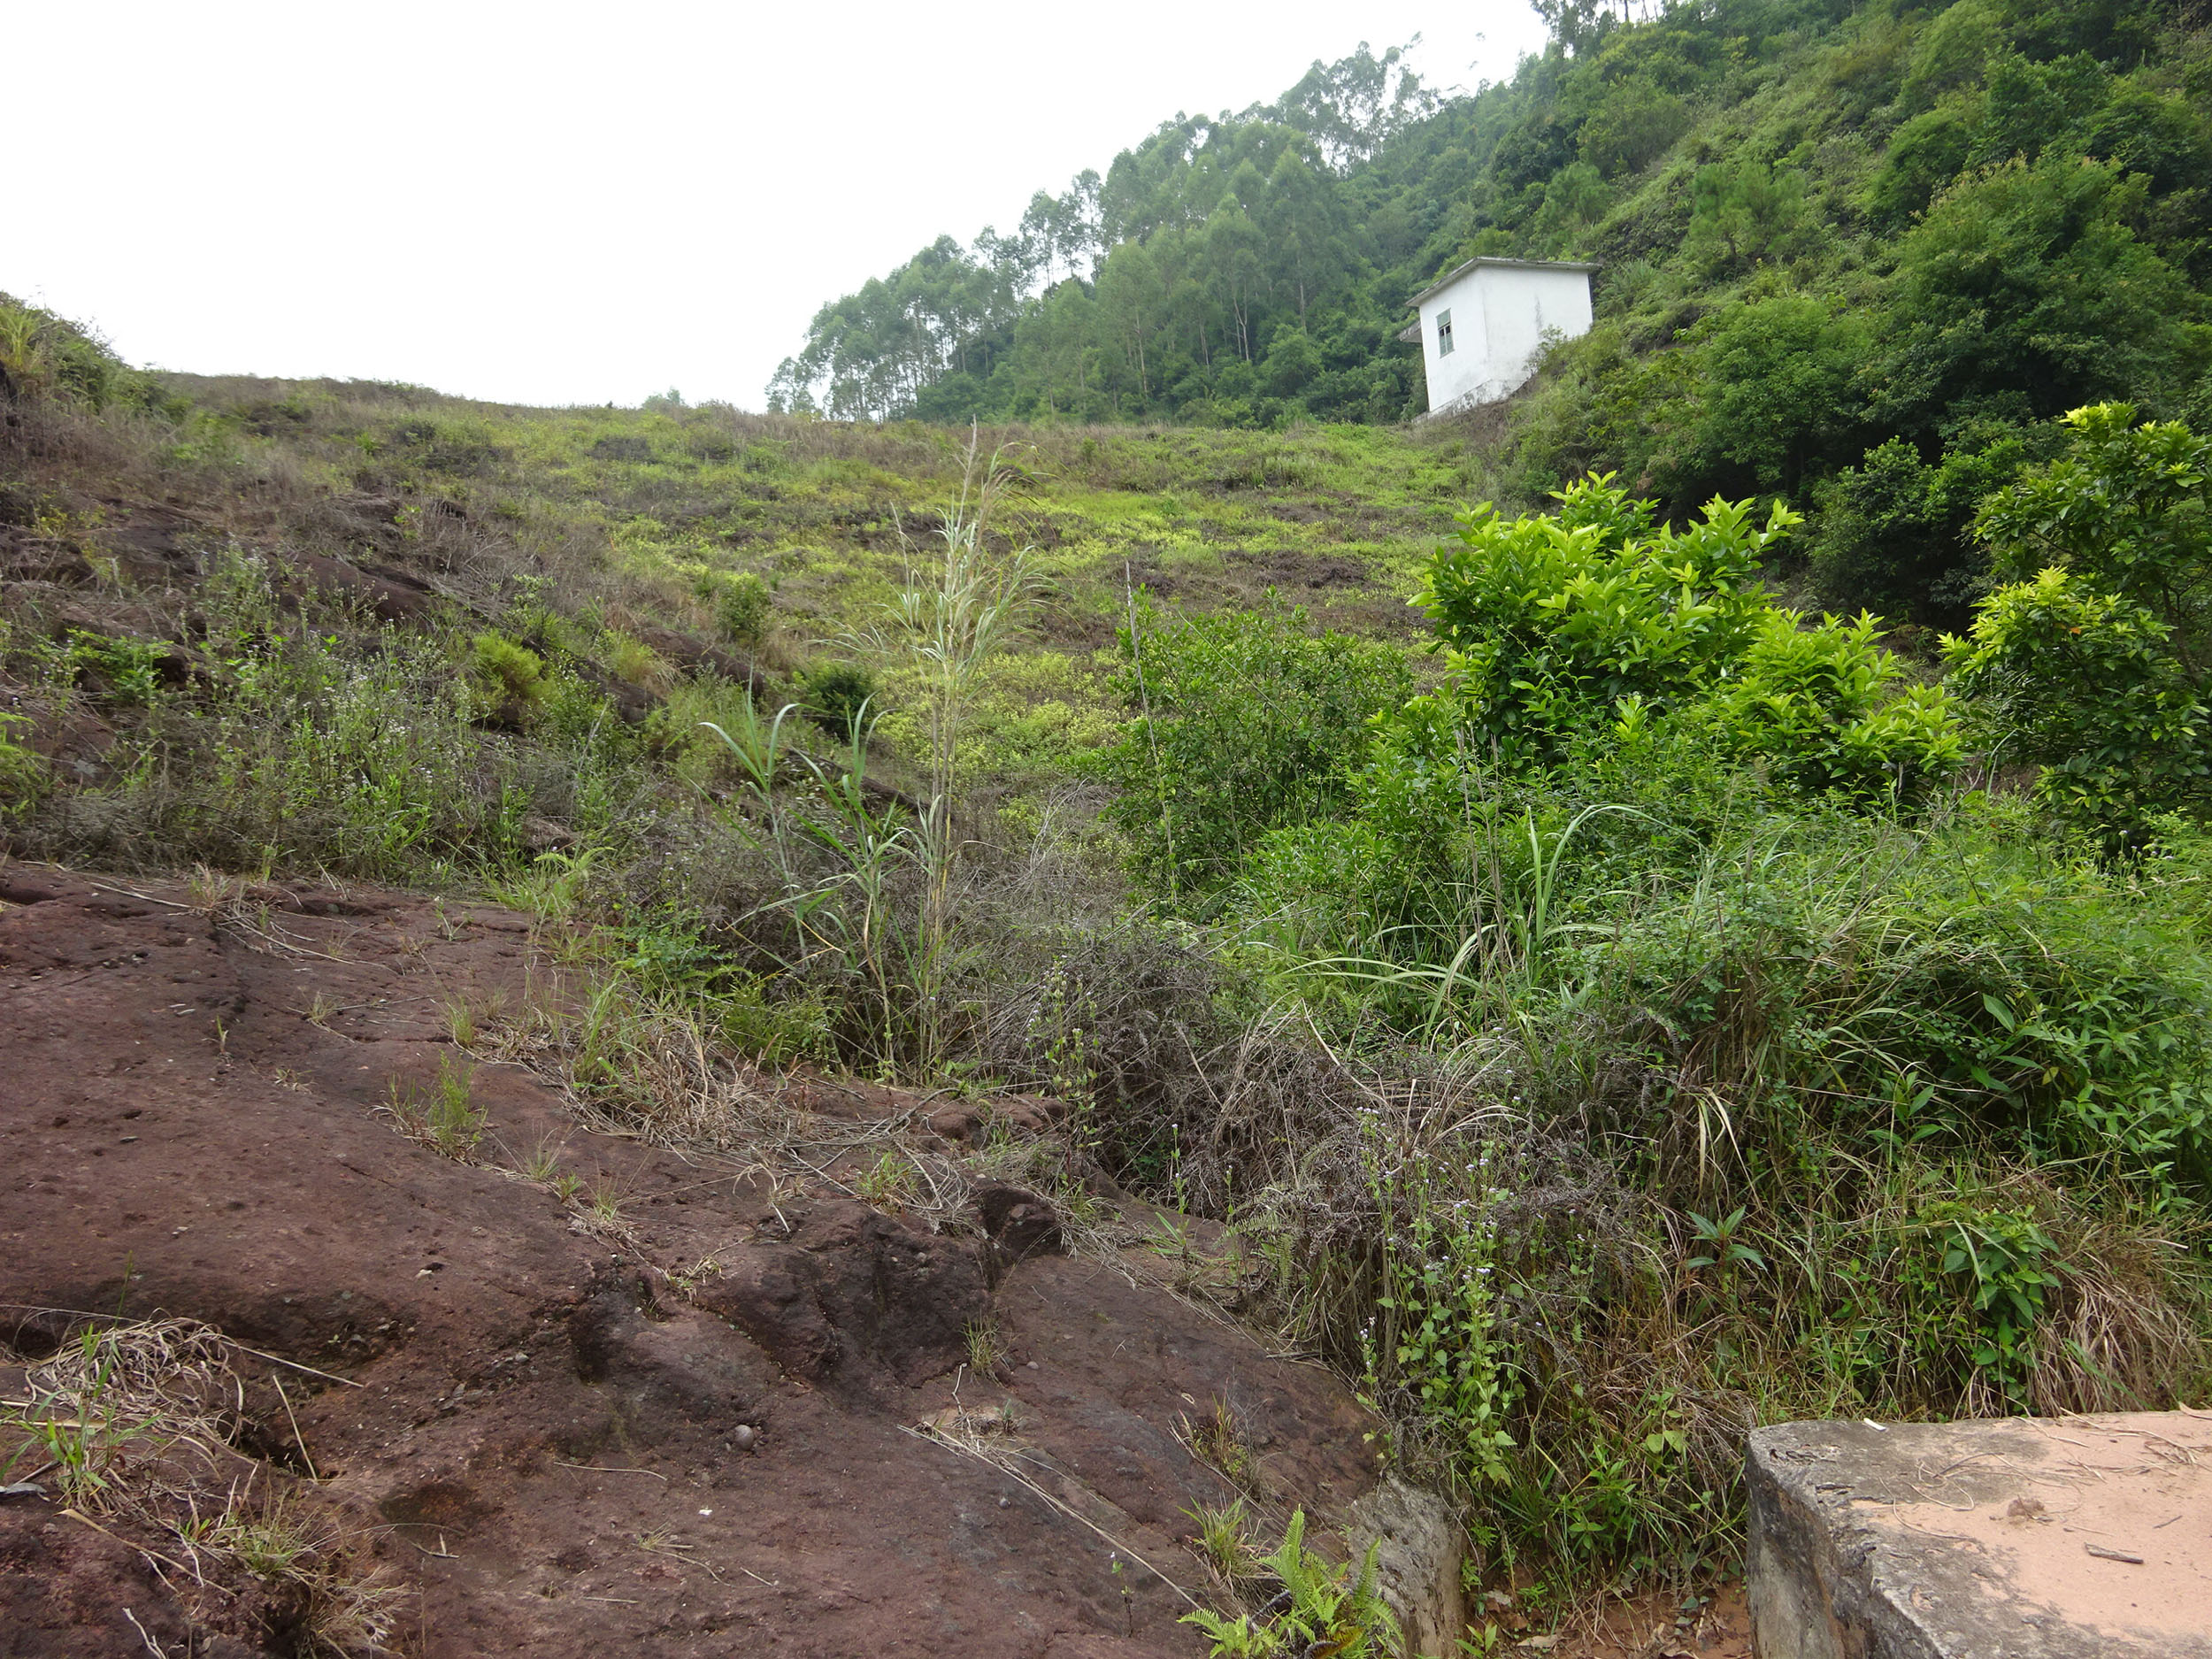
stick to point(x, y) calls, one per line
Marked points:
point(1483, 323)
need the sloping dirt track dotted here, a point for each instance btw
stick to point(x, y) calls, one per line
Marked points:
point(699, 1429)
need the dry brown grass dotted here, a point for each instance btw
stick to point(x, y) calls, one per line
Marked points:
point(138, 1424)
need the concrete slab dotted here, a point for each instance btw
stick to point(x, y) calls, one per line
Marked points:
point(2020, 1539)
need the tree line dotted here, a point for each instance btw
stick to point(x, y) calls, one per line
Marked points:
point(1859, 255)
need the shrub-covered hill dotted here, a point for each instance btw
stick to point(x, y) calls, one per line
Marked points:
point(1682, 1013)
point(1852, 253)
point(634, 538)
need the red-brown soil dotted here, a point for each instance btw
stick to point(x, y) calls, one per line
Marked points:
point(1712, 1624)
point(535, 1427)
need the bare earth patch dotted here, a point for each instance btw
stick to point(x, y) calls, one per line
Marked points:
point(566, 1392)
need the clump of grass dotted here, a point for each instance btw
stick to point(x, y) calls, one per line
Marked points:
point(549, 887)
point(1218, 1439)
point(1223, 1542)
point(888, 1182)
point(271, 1541)
point(714, 731)
point(508, 677)
point(135, 1421)
point(986, 1351)
point(660, 1541)
point(308, 1560)
point(659, 1063)
point(605, 1208)
point(603, 1214)
point(542, 1165)
point(468, 1016)
point(212, 892)
point(635, 663)
point(687, 1280)
point(444, 1117)
point(115, 1399)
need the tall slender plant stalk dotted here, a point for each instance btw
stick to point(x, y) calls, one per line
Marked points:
point(958, 607)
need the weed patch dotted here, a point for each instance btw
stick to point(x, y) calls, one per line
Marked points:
point(445, 1116)
point(136, 1425)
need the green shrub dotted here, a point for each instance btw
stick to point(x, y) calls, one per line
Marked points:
point(130, 669)
point(1780, 392)
point(2094, 667)
point(2003, 1258)
point(44, 357)
point(508, 677)
point(1829, 710)
point(1244, 722)
point(23, 774)
point(1924, 155)
point(1894, 533)
point(1744, 213)
point(2088, 687)
point(673, 961)
point(1780, 1110)
point(836, 693)
point(2127, 507)
point(743, 605)
point(1325, 1608)
point(1591, 619)
point(1967, 988)
point(2026, 288)
point(1635, 127)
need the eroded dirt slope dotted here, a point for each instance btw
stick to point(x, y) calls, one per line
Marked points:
point(697, 1431)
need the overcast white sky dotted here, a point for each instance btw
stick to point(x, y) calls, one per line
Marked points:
point(558, 203)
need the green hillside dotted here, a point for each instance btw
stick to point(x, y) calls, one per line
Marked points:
point(1605, 1005)
point(677, 506)
point(1852, 254)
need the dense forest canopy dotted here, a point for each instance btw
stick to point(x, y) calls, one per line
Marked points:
point(1857, 255)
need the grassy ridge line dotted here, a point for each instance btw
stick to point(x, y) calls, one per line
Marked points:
point(670, 498)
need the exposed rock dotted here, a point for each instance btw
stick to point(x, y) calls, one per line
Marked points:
point(536, 1396)
point(664, 1377)
point(1019, 1224)
point(543, 835)
point(955, 1123)
point(1420, 1546)
point(25, 557)
point(2034, 1539)
point(696, 657)
point(1034, 1113)
point(390, 596)
point(853, 1290)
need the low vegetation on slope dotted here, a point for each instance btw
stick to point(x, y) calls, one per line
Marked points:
point(1652, 1012)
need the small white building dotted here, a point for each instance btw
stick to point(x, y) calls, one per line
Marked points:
point(1483, 324)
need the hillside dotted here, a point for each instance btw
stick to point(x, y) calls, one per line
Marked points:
point(679, 506)
point(1514, 1002)
point(516, 1263)
point(1852, 254)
